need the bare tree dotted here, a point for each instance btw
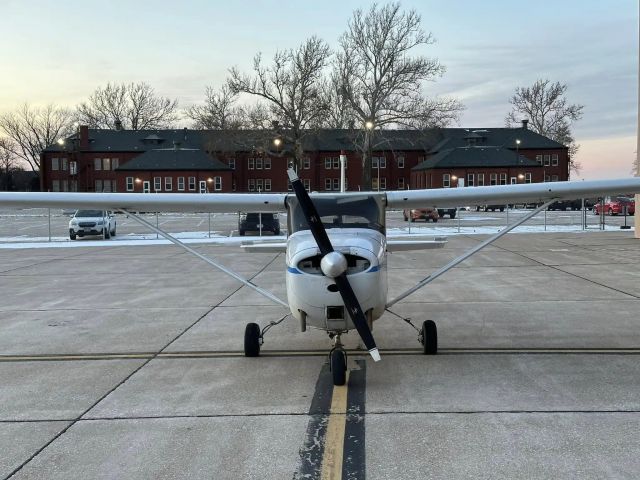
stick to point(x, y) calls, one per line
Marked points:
point(339, 113)
point(549, 114)
point(291, 88)
point(382, 82)
point(218, 112)
point(8, 163)
point(29, 130)
point(133, 106)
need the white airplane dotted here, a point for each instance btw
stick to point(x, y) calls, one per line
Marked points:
point(336, 246)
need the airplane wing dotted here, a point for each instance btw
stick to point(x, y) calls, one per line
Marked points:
point(275, 202)
point(492, 195)
point(149, 202)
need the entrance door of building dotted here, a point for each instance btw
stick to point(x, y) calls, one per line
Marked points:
point(203, 186)
point(514, 180)
point(146, 187)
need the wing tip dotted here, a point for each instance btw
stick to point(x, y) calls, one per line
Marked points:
point(375, 354)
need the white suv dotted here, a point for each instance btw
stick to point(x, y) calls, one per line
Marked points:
point(92, 222)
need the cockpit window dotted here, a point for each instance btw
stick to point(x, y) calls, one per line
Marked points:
point(353, 211)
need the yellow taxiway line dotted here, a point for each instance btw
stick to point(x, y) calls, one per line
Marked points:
point(334, 439)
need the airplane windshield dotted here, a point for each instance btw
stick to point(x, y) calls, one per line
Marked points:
point(340, 212)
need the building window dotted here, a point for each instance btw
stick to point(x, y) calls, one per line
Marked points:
point(97, 164)
point(400, 162)
point(493, 179)
point(336, 163)
point(55, 185)
point(55, 164)
point(374, 184)
point(129, 184)
point(192, 183)
point(115, 163)
point(374, 162)
point(327, 163)
point(336, 184)
point(106, 186)
point(547, 160)
point(157, 183)
point(168, 183)
point(383, 162)
point(260, 184)
point(401, 184)
point(181, 184)
point(306, 163)
point(217, 183)
point(259, 163)
point(267, 164)
point(74, 186)
point(470, 179)
point(73, 168)
point(327, 184)
point(232, 163)
point(547, 178)
point(251, 163)
point(98, 185)
point(446, 180)
point(106, 164)
point(267, 184)
point(554, 160)
point(307, 184)
point(64, 165)
point(503, 179)
point(252, 185)
point(539, 159)
point(481, 179)
point(527, 177)
point(554, 178)
point(383, 183)
point(65, 185)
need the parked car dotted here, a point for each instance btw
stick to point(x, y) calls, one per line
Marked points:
point(493, 208)
point(420, 213)
point(566, 204)
point(447, 211)
point(615, 206)
point(256, 222)
point(92, 222)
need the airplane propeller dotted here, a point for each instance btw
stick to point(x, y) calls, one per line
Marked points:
point(334, 265)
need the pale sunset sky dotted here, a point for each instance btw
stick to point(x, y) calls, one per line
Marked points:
point(61, 51)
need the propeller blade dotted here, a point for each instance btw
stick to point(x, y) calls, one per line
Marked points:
point(344, 287)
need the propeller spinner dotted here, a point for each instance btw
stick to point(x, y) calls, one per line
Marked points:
point(334, 265)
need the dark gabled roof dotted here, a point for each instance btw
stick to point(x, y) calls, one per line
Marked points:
point(174, 159)
point(476, 157)
point(432, 140)
point(494, 137)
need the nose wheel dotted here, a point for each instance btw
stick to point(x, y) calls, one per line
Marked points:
point(338, 362)
point(429, 337)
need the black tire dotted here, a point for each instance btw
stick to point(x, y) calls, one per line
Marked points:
point(610, 211)
point(242, 233)
point(252, 335)
point(72, 236)
point(113, 234)
point(276, 232)
point(106, 233)
point(435, 220)
point(405, 218)
point(429, 337)
point(412, 219)
point(502, 209)
point(452, 215)
point(339, 367)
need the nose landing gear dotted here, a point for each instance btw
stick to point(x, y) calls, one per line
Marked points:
point(338, 361)
point(254, 337)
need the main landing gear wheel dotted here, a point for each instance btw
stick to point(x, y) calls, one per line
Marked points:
point(338, 366)
point(252, 336)
point(429, 337)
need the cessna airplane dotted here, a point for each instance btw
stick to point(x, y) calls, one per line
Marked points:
point(336, 246)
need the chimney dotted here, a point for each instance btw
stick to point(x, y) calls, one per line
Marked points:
point(525, 124)
point(118, 125)
point(83, 134)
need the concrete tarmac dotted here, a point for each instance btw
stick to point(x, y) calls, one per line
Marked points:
point(126, 362)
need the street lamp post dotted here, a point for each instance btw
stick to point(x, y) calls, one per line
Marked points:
point(369, 126)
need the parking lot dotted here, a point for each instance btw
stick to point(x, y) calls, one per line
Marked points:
point(120, 361)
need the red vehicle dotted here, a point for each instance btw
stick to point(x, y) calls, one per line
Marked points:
point(419, 213)
point(615, 206)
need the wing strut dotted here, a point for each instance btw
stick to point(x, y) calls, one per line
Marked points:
point(220, 267)
point(466, 255)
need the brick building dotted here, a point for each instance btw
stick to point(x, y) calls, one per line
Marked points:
point(204, 161)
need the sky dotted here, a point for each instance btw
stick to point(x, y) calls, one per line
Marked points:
point(59, 52)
